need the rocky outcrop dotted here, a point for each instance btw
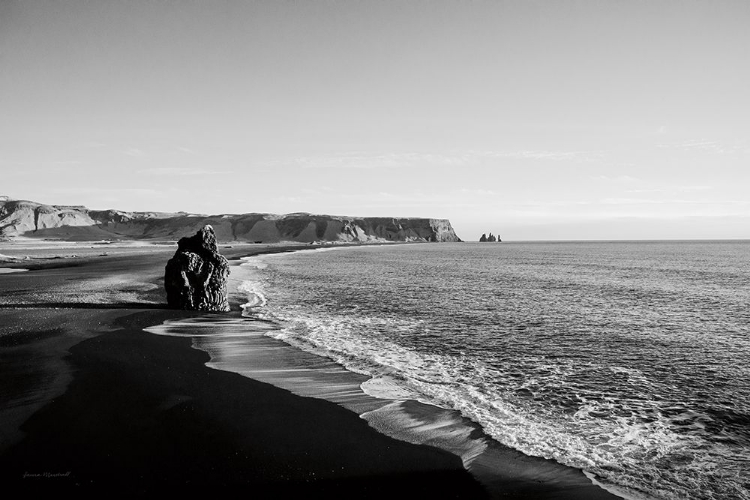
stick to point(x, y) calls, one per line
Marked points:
point(29, 219)
point(19, 217)
point(489, 239)
point(196, 277)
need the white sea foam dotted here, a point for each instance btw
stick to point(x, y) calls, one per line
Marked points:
point(256, 262)
point(625, 493)
point(254, 293)
point(595, 404)
point(450, 382)
point(204, 326)
point(250, 284)
point(443, 429)
point(387, 388)
point(261, 261)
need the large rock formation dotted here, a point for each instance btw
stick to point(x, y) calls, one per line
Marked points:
point(29, 219)
point(19, 217)
point(196, 277)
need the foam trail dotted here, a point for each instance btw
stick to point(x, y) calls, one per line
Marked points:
point(255, 296)
point(616, 490)
point(413, 422)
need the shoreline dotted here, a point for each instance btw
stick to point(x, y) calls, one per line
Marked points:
point(177, 425)
point(509, 483)
point(504, 471)
point(92, 403)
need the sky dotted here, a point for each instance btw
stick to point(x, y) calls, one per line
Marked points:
point(533, 120)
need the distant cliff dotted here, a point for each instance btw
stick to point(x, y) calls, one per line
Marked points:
point(78, 223)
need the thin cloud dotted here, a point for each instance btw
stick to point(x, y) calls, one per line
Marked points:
point(179, 171)
point(415, 159)
point(477, 192)
point(97, 190)
point(672, 189)
point(705, 146)
point(617, 179)
point(689, 145)
point(692, 189)
point(546, 155)
point(668, 201)
point(135, 152)
point(66, 163)
point(376, 161)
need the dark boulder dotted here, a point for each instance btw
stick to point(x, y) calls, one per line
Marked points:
point(196, 277)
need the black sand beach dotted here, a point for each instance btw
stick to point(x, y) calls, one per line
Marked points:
point(92, 403)
point(104, 406)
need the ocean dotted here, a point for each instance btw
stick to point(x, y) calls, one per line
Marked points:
point(628, 360)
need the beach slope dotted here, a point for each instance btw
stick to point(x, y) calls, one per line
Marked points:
point(91, 402)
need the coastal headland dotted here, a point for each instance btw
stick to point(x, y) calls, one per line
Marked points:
point(93, 403)
point(78, 223)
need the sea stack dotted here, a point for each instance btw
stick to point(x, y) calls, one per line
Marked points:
point(196, 277)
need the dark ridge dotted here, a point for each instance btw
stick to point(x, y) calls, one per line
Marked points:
point(320, 228)
point(292, 226)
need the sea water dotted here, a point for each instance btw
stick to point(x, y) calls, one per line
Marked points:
point(629, 360)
